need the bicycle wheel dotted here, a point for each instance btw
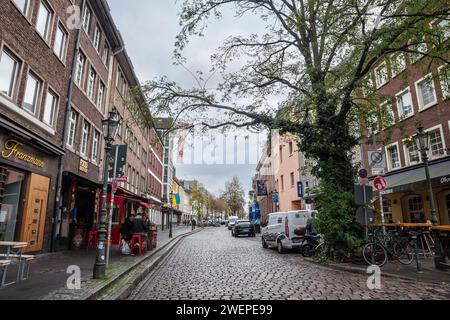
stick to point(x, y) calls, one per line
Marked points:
point(374, 254)
point(404, 252)
point(307, 250)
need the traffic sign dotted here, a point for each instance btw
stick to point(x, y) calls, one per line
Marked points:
point(363, 173)
point(377, 160)
point(380, 184)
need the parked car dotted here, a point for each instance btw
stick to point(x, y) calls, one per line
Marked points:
point(243, 227)
point(282, 230)
point(232, 222)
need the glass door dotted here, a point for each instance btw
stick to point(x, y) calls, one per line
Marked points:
point(11, 185)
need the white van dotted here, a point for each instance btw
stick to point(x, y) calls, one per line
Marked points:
point(232, 221)
point(280, 230)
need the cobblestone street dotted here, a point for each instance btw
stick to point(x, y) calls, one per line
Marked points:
point(213, 265)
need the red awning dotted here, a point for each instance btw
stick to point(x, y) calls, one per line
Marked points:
point(144, 204)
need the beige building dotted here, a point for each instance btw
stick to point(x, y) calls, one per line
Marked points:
point(283, 170)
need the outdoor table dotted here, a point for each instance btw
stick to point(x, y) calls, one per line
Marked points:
point(10, 248)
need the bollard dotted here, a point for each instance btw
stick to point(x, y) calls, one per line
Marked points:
point(416, 253)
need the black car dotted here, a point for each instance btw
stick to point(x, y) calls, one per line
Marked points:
point(243, 227)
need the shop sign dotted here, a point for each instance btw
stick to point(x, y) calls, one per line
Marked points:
point(12, 150)
point(445, 180)
point(84, 165)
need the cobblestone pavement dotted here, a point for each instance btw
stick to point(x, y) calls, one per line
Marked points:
point(213, 265)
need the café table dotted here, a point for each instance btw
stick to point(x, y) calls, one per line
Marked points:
point(13, 251)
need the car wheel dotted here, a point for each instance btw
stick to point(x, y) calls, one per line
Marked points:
point(264, 244)
point(280, 247)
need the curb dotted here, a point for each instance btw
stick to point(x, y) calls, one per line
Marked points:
point(158, 254)
point(364, 272)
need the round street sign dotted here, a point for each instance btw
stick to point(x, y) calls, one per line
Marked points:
point(380, 184)
point(363, 173)
point(376, 157)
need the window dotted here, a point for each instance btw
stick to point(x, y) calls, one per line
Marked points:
point(60, 42)
point(444, 76)
point(44, 19)
point(419, 51)
point(291, 148)
point(22, 5)
point(405, 106)
point(72, 128)
point(281, 154)
point(381, 75)
point(105, 54)
point(9, 67)
point(415, 206)
point(120, 129)
point(426, 94)
point(292, 180)
point(443, 29)
point(32, 93)
point(79, 68)
point(282, 183)
point(436, 144)
point(387, 210)
point(413, 154)
point(51, 103)
point(393, 157)
point(388, 115)
point(87, 19)
point(95, 145)
point(85, 138)
point(398, 64)
point(91, 84)
point(97, 38)
point(367, 86)
point(100, 95)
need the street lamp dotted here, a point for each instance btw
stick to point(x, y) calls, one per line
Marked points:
point(422, 139)
point(171, 214)
point(110, 130)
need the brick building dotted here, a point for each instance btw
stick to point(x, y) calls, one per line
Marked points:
point(144, 167)
point(412, 91)
point(36, 48)
point(58, 82)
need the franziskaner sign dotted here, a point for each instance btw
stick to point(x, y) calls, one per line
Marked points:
point(12, 149)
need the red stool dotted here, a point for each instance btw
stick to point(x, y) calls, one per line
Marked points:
point(133, 241)
point(92, 240)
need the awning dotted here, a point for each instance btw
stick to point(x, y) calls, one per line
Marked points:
point(144, 204)
point(415, 178)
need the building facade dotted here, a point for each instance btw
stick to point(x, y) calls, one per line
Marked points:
point(57, 83)
point(283, 174)
point(412, 90)
point(36, 52)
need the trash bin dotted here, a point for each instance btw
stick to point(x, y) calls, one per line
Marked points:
point(152, 238)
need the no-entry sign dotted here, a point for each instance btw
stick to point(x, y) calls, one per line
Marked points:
point(380, 184)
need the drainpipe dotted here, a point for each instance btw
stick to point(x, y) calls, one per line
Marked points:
point(58, 197)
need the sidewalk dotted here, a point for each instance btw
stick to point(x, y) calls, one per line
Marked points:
point(48, 271)
point(396, 270)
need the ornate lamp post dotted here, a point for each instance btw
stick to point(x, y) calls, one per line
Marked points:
point(171, 214)
point(110, 129)
point(422, 139)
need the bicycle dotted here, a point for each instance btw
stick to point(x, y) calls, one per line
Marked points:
point(314, 245)
point(391, 247)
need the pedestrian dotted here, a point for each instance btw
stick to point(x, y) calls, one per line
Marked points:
point(127, 227)
point(310, 229)
point(194, 223)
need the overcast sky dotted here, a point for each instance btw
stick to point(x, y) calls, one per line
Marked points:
point(149, 29)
